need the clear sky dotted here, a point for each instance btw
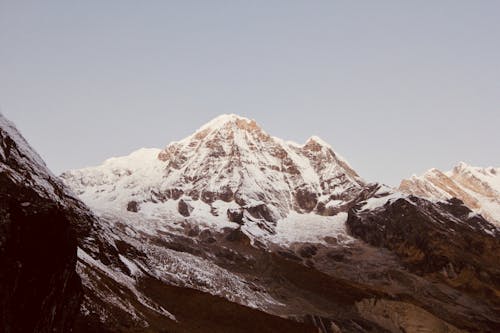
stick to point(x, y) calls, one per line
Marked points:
point(396, 87)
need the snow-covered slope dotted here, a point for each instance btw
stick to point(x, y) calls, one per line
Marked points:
point(228, 171)
point(478, 188)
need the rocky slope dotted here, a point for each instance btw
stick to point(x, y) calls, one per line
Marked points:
point(478, 188)
point(251, 226)
point(40, 290)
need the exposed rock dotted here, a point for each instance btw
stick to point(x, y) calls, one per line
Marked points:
point(322, 209)
point(174, 193)
point(306, 200)
point(184, 208)
point(261, 211)
point(193, 231)
point(133, 206)
point(235, 215)
point(307, 251)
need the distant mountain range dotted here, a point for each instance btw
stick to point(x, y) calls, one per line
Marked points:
point(234, 230)
point(478, 188)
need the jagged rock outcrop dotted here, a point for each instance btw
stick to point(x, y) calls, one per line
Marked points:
point(40, 290)
point(184, 208)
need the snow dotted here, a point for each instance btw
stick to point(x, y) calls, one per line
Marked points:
point(489, 175)
point(184, 269)
point(134, 270)
point(160, 214)
point(334, 203)
point(295, 227)
point(319, 141)
point(307, 172)
point(222, 120)
point(118, 180)
point(221, 207)
point(383, 195)
point(171, 266)
point(118, 276)
point(374, 203)
point(311, 228)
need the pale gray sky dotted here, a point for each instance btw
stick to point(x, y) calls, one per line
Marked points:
point(397, 87)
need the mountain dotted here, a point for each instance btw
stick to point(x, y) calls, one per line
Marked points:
point(40, 290)
point(228, 165)
point(233, 230)
point(478, 188)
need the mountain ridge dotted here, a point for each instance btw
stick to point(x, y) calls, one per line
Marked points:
point(477, 187)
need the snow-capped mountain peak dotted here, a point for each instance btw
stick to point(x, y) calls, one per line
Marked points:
point(319, 141)
point(224, 125)
point(230, 161)
point(232, 119)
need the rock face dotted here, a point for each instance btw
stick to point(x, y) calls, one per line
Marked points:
point(184, 208)
point(40, 290)
point(274, 236)
point(478, 188)
point(133, 206)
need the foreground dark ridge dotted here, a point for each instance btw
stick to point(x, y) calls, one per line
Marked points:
point(40, 290)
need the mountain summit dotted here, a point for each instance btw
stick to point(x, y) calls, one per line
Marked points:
point(232, 158)
point(232, 164)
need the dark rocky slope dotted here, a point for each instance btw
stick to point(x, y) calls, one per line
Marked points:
point(117, 299)
point(40, 290)
point(383, 287)
point(445, 244)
